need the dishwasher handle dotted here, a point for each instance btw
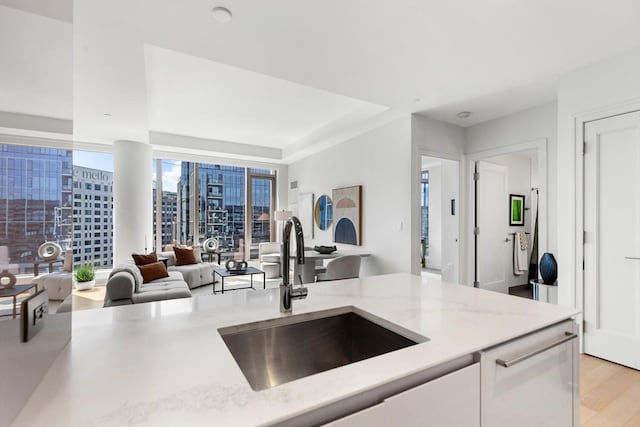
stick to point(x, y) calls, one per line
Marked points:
point(507, 363)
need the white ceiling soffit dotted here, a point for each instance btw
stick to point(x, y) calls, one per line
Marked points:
point(36, 64)
point(192, 96)
point(442, 53)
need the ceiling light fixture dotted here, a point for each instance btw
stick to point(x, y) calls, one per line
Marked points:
point(107, 114)
point(464, 114)
point(222, 14)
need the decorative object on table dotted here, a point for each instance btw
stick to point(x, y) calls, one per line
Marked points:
point(548, 269)
point(84, 276)
point(325, 249)
point(305, 213)
point(323, 212)
point(49, 251)
point(347, 210)
point(210, 245)
point(516, 209)
point(7, 280)
point(236, 266)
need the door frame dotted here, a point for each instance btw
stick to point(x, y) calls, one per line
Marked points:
point(540, 145)
point(248, 227)
point(425, 152)
point(576, 263)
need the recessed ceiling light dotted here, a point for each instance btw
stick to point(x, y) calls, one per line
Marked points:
point(107, 114)
point(222, 14)
point(464, 114)
point(417, 99)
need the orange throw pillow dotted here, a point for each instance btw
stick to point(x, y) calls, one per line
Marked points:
point(153, 271)
point(184, 256)
point(141, 259)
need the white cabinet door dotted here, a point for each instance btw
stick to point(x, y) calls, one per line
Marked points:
point(532, 381)
point(369, 417)
point(449, 401)
point(452, 400)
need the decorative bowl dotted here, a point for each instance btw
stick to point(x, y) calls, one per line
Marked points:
point(325, 249)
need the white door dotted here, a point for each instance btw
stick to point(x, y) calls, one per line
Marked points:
point(492, 201)
point(612, 239)
point(450, 220)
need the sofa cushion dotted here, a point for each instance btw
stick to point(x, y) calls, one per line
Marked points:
point(195, 275)
point(153, 271)
point(142, 259)
point(185, 256)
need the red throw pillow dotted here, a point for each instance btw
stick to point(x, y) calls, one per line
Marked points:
point(153, 271)
point(184, 256)
point(141, 259)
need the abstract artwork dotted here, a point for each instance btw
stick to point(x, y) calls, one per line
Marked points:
point(305, 213)
point(516, 209)
point(347, 215)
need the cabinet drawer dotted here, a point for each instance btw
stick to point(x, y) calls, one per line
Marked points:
point(531, 381)
point(452, 400)
point(449, 401)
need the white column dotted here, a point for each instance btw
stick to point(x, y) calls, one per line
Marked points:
point(132, 199)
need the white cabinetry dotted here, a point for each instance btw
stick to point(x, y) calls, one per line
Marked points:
point(452, 400)
point(532, 381)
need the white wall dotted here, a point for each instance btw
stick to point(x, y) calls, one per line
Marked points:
point(436, 139)
point(434, 259)
point(601, 89)
point(450, 240)
point(532, 124)
point(379, 161)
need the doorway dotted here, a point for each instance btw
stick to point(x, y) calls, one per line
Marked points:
point(439, 214)
point(612, 242)
point(504, 252)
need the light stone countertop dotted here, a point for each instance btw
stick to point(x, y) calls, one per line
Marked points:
point(164, 363)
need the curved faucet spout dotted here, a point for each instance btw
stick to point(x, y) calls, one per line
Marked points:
point(287, 293)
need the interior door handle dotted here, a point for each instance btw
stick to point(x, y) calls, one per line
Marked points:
point(632, 257)
point(568, 336)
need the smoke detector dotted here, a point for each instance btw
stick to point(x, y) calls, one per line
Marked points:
point(222, 14)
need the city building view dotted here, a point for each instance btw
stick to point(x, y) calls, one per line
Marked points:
point(92, 217)
point(35, 203)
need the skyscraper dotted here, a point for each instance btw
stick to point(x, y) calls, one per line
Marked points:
point(92, 217)
point(169, 214)
point(35, 202)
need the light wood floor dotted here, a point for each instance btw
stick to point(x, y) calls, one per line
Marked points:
point(609, 394)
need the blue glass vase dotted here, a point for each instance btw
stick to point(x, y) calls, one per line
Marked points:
point(548, 269)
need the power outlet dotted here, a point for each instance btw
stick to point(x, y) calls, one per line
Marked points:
point(34, 311)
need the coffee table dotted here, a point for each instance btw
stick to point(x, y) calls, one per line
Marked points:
point(14, 292)
point(250, 271)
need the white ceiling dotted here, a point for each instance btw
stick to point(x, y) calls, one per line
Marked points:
point(299, 68)
point(192, 96)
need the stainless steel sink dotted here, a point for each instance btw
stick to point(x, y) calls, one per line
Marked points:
point(277, 351)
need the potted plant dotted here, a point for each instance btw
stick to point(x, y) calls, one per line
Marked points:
point(85, 277)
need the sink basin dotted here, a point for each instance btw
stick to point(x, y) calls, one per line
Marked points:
point(277, 351)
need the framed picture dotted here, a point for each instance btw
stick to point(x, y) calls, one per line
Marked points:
point(516, 209)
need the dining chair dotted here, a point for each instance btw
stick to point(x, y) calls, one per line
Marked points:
point(344, 267)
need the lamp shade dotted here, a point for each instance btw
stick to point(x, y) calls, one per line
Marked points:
point(283, 215)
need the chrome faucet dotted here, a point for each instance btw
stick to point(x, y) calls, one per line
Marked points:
point(287, 292)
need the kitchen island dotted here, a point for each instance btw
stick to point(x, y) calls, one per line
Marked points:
point(165, 363)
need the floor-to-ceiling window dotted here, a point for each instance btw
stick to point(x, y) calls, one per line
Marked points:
point(35, 203)
point(93, 209)
point(202, 200)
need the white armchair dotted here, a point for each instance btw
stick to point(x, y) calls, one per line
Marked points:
point(270, 255)
point(58, 284)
